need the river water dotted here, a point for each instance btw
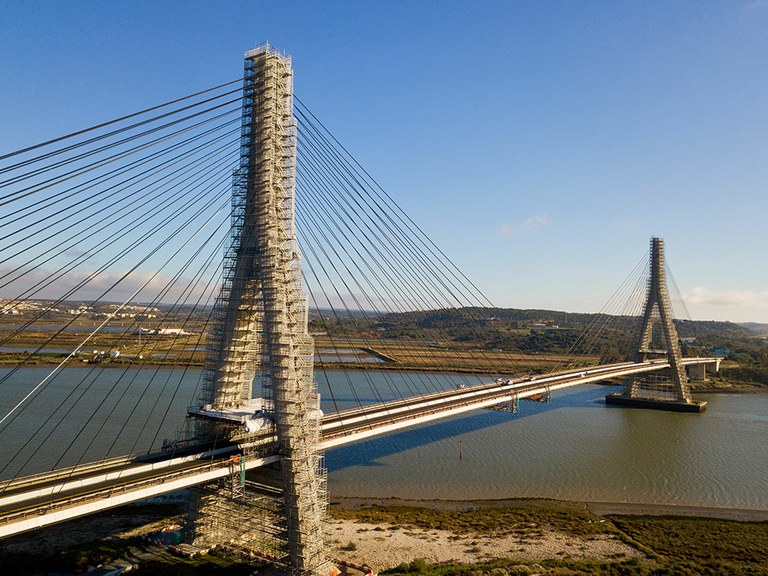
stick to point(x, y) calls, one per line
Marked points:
point(573, 448)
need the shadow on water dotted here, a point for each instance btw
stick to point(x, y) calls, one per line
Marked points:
point(370, 452)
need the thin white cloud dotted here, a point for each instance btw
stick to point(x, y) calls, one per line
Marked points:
point(752, 299)
point(529, 224)
point(108, 286)
point(757, 4)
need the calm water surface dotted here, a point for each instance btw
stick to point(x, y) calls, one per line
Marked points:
point(573, 448)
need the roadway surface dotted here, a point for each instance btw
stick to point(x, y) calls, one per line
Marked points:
point(35, 501)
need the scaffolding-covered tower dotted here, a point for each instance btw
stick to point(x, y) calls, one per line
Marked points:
point(668, 390)
point(259, 336)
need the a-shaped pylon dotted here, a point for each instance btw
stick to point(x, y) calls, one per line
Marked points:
point(674, 394)
point(259, 331)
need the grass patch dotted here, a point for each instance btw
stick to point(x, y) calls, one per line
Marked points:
point(675, 546)
point(706, 543)
point(522, 521)
point(510, 567)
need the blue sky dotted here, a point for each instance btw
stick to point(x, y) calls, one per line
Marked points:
point(540, 144)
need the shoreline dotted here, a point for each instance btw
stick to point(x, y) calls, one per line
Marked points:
point(596, 508)
point(734, 388)
point(746, 389)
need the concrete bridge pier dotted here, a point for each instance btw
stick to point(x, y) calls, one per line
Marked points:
point(699, 371)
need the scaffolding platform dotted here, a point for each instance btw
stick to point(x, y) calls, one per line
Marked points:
point(655, 403)
point(255, 415)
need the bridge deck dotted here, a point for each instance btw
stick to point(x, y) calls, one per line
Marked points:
point(35, 501)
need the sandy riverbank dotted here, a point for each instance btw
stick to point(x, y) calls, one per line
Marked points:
point(385, 545)
point(626, 508)
point(382, 544)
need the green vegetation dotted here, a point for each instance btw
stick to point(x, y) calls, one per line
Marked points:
point(542, 334)
point(546, 331)
point(529, 520)
point(478, 340)
point(673, 546)
point(510, 567)
point(708, 544)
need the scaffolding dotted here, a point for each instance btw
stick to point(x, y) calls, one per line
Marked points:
point(259, 335)
point(249, 519)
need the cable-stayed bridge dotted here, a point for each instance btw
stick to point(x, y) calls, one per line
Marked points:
point(112, 242)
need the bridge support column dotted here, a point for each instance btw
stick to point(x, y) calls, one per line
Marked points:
point(697, 371)
point(671, 392)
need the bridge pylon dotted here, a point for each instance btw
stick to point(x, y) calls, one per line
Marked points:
point(668, 390)
point(259, 339)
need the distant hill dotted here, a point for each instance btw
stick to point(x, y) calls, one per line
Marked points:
point(755, 327)
point(536, 330)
